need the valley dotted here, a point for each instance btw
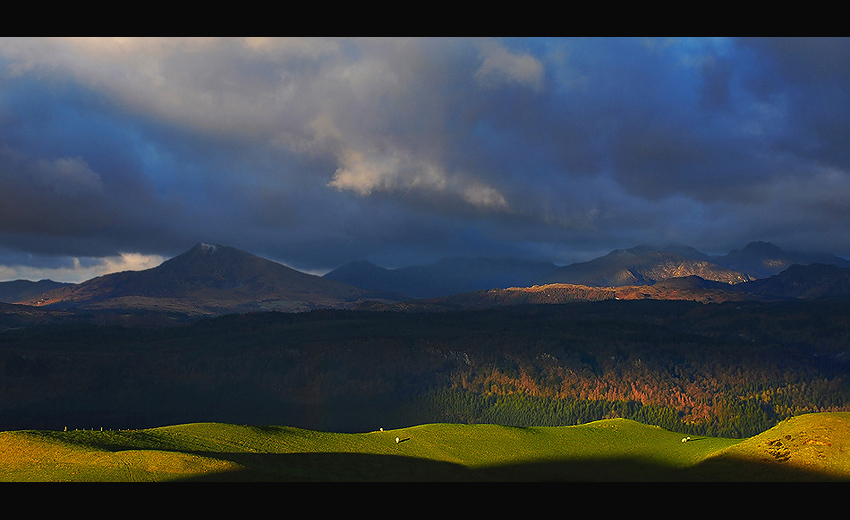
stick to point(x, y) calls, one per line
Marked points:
point(220, 336)
point(424, 258)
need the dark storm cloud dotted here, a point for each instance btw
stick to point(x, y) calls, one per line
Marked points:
point(316, 152)
point(810, 75)
point(70, 177)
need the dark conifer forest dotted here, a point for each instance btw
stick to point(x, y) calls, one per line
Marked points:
point(732, 369)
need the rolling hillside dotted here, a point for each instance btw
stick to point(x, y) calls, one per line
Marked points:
point(811, 447)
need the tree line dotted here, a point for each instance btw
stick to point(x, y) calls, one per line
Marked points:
point(718, 369)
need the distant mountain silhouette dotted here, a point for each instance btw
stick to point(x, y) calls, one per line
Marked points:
point(695, 283)
point(637, 266)
point(810, 282)
point(644, 265)
point(805, 282)
point(23, 290)
point(208, 279)
point(444, 278)
point(214, 279)
point(367, 275)
point(763, 259)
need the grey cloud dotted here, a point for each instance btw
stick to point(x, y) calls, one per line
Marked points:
point(318, 151)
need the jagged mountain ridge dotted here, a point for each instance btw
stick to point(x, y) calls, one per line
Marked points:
point(208, 279)
point(647, 265)
point(644, 265)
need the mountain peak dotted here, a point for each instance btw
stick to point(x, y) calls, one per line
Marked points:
point(210, 248)
point(211, 279)
point(762, 248)
point(206, 248)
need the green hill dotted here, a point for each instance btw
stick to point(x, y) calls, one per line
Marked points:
point(811, 447)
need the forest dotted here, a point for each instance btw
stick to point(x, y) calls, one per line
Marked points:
point(732, 369)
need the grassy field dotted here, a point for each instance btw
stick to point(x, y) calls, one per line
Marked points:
point(814, 447)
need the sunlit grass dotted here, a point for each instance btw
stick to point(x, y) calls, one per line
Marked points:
point(615, 449)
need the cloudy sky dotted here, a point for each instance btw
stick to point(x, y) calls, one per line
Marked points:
point(118, 153)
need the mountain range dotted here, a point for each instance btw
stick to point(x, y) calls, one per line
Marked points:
point(206, 280)
point(638, 266)
point(805, 282)
point(763, 259)
point(212, 280)
point(645, 265)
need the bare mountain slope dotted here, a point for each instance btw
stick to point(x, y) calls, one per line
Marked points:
point(208, 279)
point(763, 259)
point(644, 265)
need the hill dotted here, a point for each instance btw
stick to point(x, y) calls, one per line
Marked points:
point(25, 290)
point(809, 447)
point(806, 448)
point(13, 316)
point(643, 265)
point(207, 280)
point(804, 282)
point(763, 259)
point(443, 278)
point(690, 288)
point(797, 282)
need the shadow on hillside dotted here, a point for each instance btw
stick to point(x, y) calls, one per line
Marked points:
point(736, 469)
point(353, 467)
point(334, 467)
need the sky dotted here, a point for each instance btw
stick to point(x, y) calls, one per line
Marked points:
point(119, 153)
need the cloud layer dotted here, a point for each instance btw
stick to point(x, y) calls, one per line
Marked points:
point(319, 151)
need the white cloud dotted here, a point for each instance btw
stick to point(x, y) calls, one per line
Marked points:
point(502, 66)
point(81, 270)
point(309, 96)
point(365, 173)
point(235, 85)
